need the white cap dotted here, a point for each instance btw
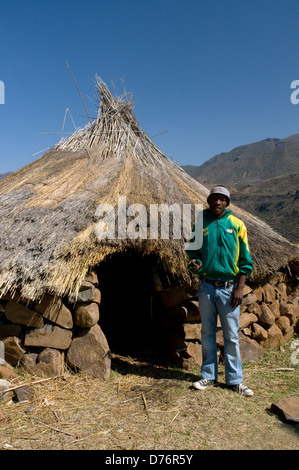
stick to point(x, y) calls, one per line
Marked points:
point(220, 190)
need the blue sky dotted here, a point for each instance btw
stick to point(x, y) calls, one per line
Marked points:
point(213, 74)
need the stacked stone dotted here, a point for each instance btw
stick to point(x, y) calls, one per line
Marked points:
point(270, 312)
point(43, 337)
point(269, 317)
point(182, 326)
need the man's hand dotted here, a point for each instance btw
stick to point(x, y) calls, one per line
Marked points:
point(237, 293)
point(195, 265)
point(237, 296)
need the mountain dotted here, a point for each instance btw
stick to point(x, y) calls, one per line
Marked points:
point(263, 178)
point(274, 200)
point(250, 163)
point(3, 175)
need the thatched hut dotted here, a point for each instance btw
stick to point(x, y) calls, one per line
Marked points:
point(49, 219)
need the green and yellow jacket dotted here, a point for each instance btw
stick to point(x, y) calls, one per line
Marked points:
point(225, 252)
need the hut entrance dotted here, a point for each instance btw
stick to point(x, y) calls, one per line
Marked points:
point(129, 311)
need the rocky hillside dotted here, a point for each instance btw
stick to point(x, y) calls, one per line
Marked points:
point(276, 201)
point(251, 163)
point(3, 175)
point(263, 178)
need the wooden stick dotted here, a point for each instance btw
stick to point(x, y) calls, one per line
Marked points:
point(28, 384)
point(144, 402)
point(54, 429)
point(91, 435)
point(174, 417)
point(78, 90)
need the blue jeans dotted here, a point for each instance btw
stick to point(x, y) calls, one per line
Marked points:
point(212, 301)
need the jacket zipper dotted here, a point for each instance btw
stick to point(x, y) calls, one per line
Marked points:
point(218, 246)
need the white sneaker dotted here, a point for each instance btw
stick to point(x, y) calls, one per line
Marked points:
point(243, 390)
point(203, 383)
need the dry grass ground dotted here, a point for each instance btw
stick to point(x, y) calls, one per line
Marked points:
point(150, 407)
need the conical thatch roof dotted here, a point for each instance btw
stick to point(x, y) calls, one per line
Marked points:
point(48, 208)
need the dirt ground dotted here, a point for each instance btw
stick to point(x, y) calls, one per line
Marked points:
point(150, 406)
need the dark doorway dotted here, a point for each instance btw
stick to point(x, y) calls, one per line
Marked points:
point(130, 311)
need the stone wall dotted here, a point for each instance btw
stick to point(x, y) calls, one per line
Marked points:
point(44, 336)
point(269, 317)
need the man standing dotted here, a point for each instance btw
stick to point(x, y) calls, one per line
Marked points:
point(222, 263)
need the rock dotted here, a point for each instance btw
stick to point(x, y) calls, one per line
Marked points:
point(50, 363)
point(275, 308)
point(25, 393)
point(176, 314)
point(191, 357)
point(243, 308)
point(29, 362)
point(13, 350)
point(266, 319)
point(250, 299)
point(290, 311)
point(174, 343)
point(283, 324)
point(246, 331)
point(18, 313)
point(193, 313)
point(283, 308)
point(277, 277)
point(16, 297)
point(246, 319)
point(255, 308)
point(258, 332)
point(174, 296)
point(295, 313)
point(269, 293)
point(88, 293)
point(86, 315)
point(10, 330)
point(250, 350)
point(49, 337)
point(294, 299)
point(7, 374)
point(274, 338)
point(281, 289)
point(89, 352)
point(93, 278)
point(259, 293)
point(55, 311)
point(4, 385)
point(191, 331)
point(246, 290)
point(287, 409)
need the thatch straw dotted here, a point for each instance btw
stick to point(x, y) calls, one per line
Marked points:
point(47, 209)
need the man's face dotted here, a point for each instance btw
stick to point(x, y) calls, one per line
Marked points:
point(217, 203)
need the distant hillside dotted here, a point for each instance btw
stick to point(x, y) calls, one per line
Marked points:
point(250, 163)
point(276, 201)
point(263, 178)
point(3, 175)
